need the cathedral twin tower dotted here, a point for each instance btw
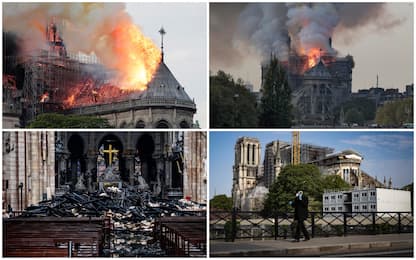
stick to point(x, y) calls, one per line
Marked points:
point(246, 170)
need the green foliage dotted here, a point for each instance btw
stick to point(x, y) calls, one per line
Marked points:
point(221, 202)
point(305, 177)
point(358, 110)
point(51, 120)
point(395, 114)
point(275, 109)
point(354, 116)
point(408, 187)
point(231, 104)
point(334, 182)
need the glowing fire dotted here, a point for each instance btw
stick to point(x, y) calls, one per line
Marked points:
point(70, 101)
point(44, 98)
point(313, 56)
point(138, 57)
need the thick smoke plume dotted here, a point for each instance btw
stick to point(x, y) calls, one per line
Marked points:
point(105, 29)
point(11, 47)
point(278, 27)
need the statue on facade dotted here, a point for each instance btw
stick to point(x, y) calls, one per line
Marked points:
point(80, 186)
point(100, 163)
point(141, 182)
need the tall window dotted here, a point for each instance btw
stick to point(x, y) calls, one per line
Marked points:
point(248, 153)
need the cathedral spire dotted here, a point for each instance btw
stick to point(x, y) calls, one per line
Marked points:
point(162, 33)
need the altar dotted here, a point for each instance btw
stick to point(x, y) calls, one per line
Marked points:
point(108, 174)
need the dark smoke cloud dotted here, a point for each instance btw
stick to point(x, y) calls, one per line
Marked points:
point(353, 15)
point(235, 27)
point(264, 25)
point(12, 46)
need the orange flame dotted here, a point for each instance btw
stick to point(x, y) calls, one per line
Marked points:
point(313, 56)
point(138, 56)
point(44, 97)
point(70, 101)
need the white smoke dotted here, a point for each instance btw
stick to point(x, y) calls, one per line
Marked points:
point(311, 26)
point(264, 25)
point(270, 25)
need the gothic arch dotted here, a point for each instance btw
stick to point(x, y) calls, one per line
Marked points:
point(184, 124)
point(76, 144)
point(146, 147)
point(76, 164)
point(140, 124)
point(163, 124)
point(100, 135)
point(123, 124)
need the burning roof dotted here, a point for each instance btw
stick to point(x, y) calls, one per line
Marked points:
point(103, 30)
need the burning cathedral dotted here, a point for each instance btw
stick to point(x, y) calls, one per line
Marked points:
point(300, 36)
point(123, 79)
point(320, 81)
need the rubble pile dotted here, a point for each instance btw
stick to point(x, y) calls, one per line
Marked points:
point(132, 215)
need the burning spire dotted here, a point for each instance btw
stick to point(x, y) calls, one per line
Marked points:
point(162, 33)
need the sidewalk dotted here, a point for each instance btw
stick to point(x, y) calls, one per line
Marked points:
point(314, 247)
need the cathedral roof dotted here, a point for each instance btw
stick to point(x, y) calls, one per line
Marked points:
point(319, 70)
point(164, 85)
point(349, 153)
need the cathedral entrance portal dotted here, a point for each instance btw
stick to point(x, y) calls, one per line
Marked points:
point(76, 162)
point(145, 148)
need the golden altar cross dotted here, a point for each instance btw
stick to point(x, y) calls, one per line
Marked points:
point(110, 152)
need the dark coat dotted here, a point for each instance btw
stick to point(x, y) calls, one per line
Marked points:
point(301, 208)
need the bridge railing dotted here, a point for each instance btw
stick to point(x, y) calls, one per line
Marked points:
point(226, 225)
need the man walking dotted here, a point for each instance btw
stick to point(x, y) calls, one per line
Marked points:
point(301, 213)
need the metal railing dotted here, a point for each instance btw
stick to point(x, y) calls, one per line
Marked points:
point(226, 225)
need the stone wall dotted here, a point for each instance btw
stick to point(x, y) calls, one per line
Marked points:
point(195, 172)
point(28, 158)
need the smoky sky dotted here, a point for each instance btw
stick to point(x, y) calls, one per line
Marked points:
point(11, 47)
point(267, 26)
point(379, 36)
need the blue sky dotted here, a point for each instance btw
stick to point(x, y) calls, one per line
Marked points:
point(385, 153)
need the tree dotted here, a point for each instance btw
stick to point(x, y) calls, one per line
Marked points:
point(396, 113)
point(231, 103)
point(408, 187)
point(275, 109)
point(221, 202)
point(52, 120)
point(358, 110)
point(353, 115)
point(305, 177)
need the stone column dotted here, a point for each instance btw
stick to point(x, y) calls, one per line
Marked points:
point(258, 154)
point(34, 167)
point(51, 164)
point(244, 153)
point(250, 153)
point(241, 151)
point(129, 156)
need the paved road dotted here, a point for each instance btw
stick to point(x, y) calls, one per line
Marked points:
point(389, 253)
point(368, 244)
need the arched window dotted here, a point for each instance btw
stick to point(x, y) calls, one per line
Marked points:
point(123, 124)
point(184, 124)
point(140, 124)
point(162, 124)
